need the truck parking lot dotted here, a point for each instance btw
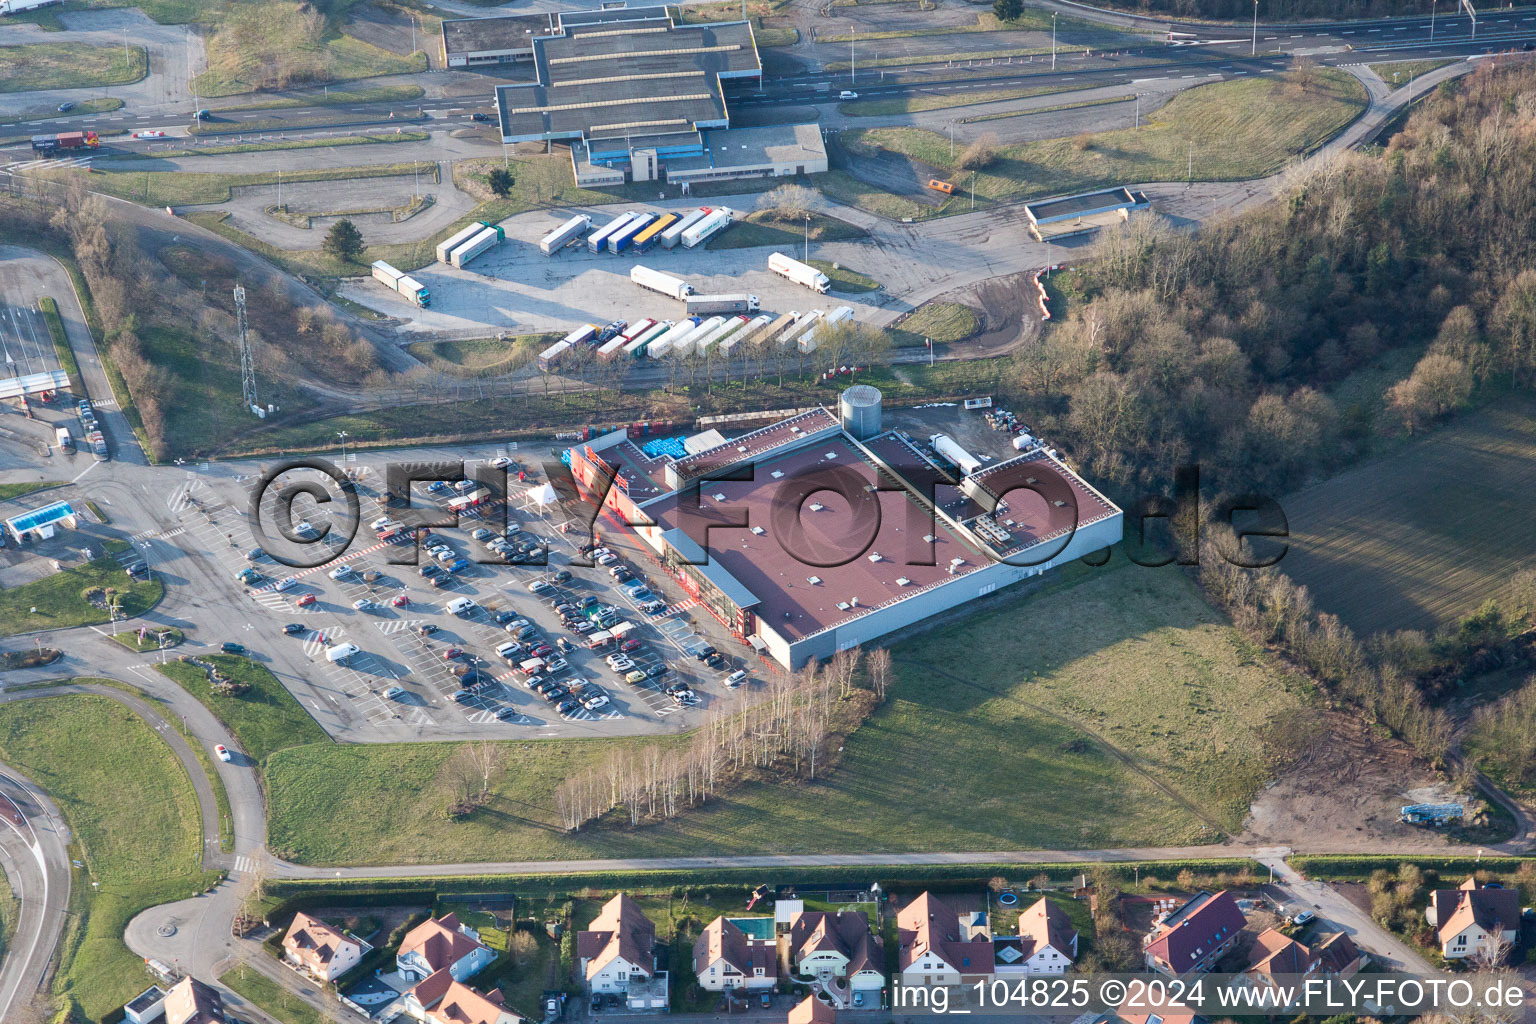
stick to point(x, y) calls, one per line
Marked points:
point(384, 644)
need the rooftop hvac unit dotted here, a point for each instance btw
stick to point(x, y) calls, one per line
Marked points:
point(874, 556)
point(902, 581)
point(813, 580)
point(817, 506)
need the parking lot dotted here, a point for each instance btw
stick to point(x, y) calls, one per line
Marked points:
point(419, 666)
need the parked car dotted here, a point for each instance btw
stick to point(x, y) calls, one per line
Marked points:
point(716, 661)
point(437, 487)
point(622, 665)
point(541, 649)
point(461, 696)
point(341, 571)
point(736, 678)
point(442, 580)
point(636, 677)
point(394, 692)
point(568, 707)
point(461, 605)
point(459, 566)
point(286, 583)
point(562, 576)
point(1305, 917)
point(704, 652)
point(255, 555)
point(507, 711)
point(517, 624)
point(557, 664)
point(230, 647)
point(657, 670)
point(595, 701)
point(401, 601)
point(581, 627)
point(295, 627)
point(452, 653)
point(630, 646)
point(426, 629)
point(305, 601)
point(362, 604)
point(540, 586)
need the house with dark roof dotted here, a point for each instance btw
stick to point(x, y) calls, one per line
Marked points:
point(191, 1002)
point(936, 948)
point(1473, 920)
point(1192, 938)
point(725, 957)
point(1046, 943)
point(616, 955)
point(1276, 955)
point(1340, 956)
point(443, 944)
point(317, 949)
point(838, 950)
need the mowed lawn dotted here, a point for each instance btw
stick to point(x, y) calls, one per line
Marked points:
point(1427, 534)
point(60, 597)
point(68, 66)
point(136, 827)
point(1048, 722)
point(1242, 128)
point(263, 719)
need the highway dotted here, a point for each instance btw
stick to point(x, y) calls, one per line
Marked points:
point(33, 841)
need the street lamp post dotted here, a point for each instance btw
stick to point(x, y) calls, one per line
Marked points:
point(1255, 50)
point(343, 435)
point(807, 238)
point(1432, 5)
point(951, 127)
point(1053, 40)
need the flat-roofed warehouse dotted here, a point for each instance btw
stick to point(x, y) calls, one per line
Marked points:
point(634, 94)
point(819, 533)
point(469, 42)
point(1065, 216)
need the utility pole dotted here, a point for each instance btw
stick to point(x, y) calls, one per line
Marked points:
point(279, 191)
point(951, 140)
point(973, 191)
point(1432, 5)
point(807, 238)
point(1255, 51)
point(1053, 40)
point(853, 69)
point(413, 33)
point(343, 435)
point(1138, 110)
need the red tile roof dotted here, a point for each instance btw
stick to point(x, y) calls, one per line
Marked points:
point(1193, 931)
point(314, 943)
point(722, 940)
point(846, 932)
point(430, 989)
point(1046, 924)
point(811, 1010)
point(1493, 910)
point(1276, 953)
point(439, 942)
point(191, 1002)
point(928, 923)
point(463, 1005)
point(620, 929)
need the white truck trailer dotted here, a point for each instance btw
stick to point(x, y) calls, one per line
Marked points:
point(683, 347)
point(637, 344)
point(408, 286)
point(748, 333)
point(726, 327)
point(656, 281)
point(674, 234)
point(17, 6)
point(701, 230)
point(481, 243)
point(710, 305)
point(458, 238)
point(800, 273)
point(811, 338)
point(657, 346)
point(550, 356)
point(564, 234)
point(597, 239)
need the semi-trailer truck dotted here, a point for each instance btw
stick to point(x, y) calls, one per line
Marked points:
point(64, 140)
point(597, 239)
point(800, 273)
point(804, 322)
point(458, 238)
point(582, 335)
point(657, 346)
point(647, 238)
point(621, 239)
point(481, 243)
point(684, 346)
point(811, 338)
point(408, 286)
point(564, 234)
point(656, 281)
point(718, 220)
point(781, 323)
point(708, 305)
point(729, 325)
point(17, 6)
point(551, 355)
point(748, 333)
point(674, 234)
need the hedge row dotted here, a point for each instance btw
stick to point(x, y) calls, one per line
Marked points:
point(1357, 868)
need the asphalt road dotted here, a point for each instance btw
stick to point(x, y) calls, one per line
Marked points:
point(33, 854)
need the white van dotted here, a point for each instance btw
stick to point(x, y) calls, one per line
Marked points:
point(341, 653)
point(460, 605)
point(847, 94)
point(508, 649)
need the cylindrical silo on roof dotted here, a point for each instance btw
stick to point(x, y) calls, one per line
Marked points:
point(858, 408)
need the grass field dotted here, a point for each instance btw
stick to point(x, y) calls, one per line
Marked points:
point(135, 822)
point(278, 1002)
point(382, 138)
point(1239, 129)
point(281, 44)
point(331, 97)
point(1407, 70)
point(264, 719)
point(193, 188)
point(60, 598)
point(1016, 704)
point(763, 227)
point(846, 280)
point(16, 490)
point(1375, 552)
point(1004, 114)
point(944, 322)
point(98, 105)
point(484, 357)
point(35, 66)
point(913, 104)
point(151, 640)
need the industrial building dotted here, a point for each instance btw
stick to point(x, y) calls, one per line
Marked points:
point(472, 42)
point(825, 531)
point(1066, 216)
point(636, 96)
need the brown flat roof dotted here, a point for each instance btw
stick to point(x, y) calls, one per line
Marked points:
point(778, 564)
point(641, 474)
point(1062, 504)
point(756, 444)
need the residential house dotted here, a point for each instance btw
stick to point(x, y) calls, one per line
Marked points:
point(936, 948)
point(811, 1010)
point(1475, 921)
point(616, 955)
point(1341, 958)
point(319, 950)
point(442, 944)
point(1046, 943)
point(191, 1002)
point(1194, 937)
point(725, 957)
point(1276, 954)
point(840, 952)
point(461, 1004)
point(1142, 1012)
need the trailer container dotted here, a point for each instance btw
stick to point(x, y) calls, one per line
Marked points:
point(17, 6)
point(563, 235)
point(625, 236)
point(800, 273)
point(951, 450)
point(730, 324)
point(805, 322)
point(598, 238)
point(581, 335)
point(458, 238)
point(684, 346)
point(610, 348)
point(636, 329)
point(656, 281)
point(674, 234)
point(483, 241)
point(636, 345)
point(551, 355)
point(709, 305)
point(652, 234)
point(747, 334)
point(812, 338)
point(411, 288)
point(718, 220)
point(657, 346)
point(781, 323)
